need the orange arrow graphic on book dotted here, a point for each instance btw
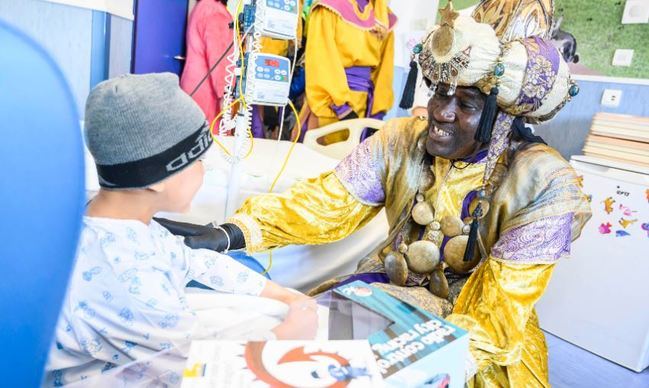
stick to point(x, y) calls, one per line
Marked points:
point(298, 354)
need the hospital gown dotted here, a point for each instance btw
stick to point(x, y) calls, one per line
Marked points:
point(126, 297)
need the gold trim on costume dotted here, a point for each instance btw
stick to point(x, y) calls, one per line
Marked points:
point(249, 227)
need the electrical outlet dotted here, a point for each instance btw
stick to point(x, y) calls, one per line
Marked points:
point(623, 57)
point(635, 11)
point(611, 98)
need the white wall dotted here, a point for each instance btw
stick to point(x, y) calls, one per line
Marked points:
point(121, 8)
point(64, 31)
point(415, 17)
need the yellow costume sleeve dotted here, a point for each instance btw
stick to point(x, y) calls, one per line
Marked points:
point(382, 77)
point(317, 211)
point(326, 81)
point(274, 46)
point(495, 306)
point(300, 23)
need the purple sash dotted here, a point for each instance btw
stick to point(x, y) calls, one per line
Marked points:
point(359, 79)
point(257, 125)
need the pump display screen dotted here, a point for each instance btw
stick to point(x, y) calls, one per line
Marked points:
point(271, 62)
point(271, 69)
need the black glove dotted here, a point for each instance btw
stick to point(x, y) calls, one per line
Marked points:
point(351, 116)
point(206, 237)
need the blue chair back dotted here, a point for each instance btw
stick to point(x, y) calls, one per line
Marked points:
point(42, 193)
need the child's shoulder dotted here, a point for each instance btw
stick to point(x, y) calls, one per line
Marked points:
point(159, 230)
point(96, 233)
point(110, 239)
point(104, 231)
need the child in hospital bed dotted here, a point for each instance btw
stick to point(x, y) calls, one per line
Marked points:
point(126, 297)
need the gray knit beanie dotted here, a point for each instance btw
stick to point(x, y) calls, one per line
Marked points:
point(142, 129)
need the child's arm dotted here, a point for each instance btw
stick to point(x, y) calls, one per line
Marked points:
point(301, 321)
point(273, 290)
point(223, 273)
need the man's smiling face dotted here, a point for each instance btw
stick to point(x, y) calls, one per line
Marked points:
point(453, 121)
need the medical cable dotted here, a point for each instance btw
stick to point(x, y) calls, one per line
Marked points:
point(281, 171)
point(209, 72)
point(211, 69)
point(290, 80)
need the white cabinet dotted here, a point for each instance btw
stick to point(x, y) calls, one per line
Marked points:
point(599, 298)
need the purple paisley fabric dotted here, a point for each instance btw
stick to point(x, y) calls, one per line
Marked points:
point(360, 173)
point(542, 67)
point(542, 241)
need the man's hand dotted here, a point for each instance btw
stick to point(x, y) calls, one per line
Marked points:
point(199, 236)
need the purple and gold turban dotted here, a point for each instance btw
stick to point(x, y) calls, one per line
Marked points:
point(507, 57)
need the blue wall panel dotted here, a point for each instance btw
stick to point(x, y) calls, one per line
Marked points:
point(121, 33)
point(567, 132)
point(99, 50)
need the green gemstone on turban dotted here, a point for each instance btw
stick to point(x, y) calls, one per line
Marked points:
point(499, 70)
point(417, 49)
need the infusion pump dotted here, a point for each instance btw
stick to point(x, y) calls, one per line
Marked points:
point(268, 79)
point(267, 76)
point(279, 18)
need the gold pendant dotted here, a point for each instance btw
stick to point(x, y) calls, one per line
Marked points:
point(422, 213)
point(438, 283)
point(422, 256)
point(454, 255)
point(443, 40)
point(396, 268)
point(444, 37)
point(451, 226)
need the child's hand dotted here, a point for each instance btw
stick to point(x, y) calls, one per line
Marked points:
point(273, 290)
point(292, 296)
point(301, 322)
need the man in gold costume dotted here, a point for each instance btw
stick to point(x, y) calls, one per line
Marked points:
point(480, 210)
